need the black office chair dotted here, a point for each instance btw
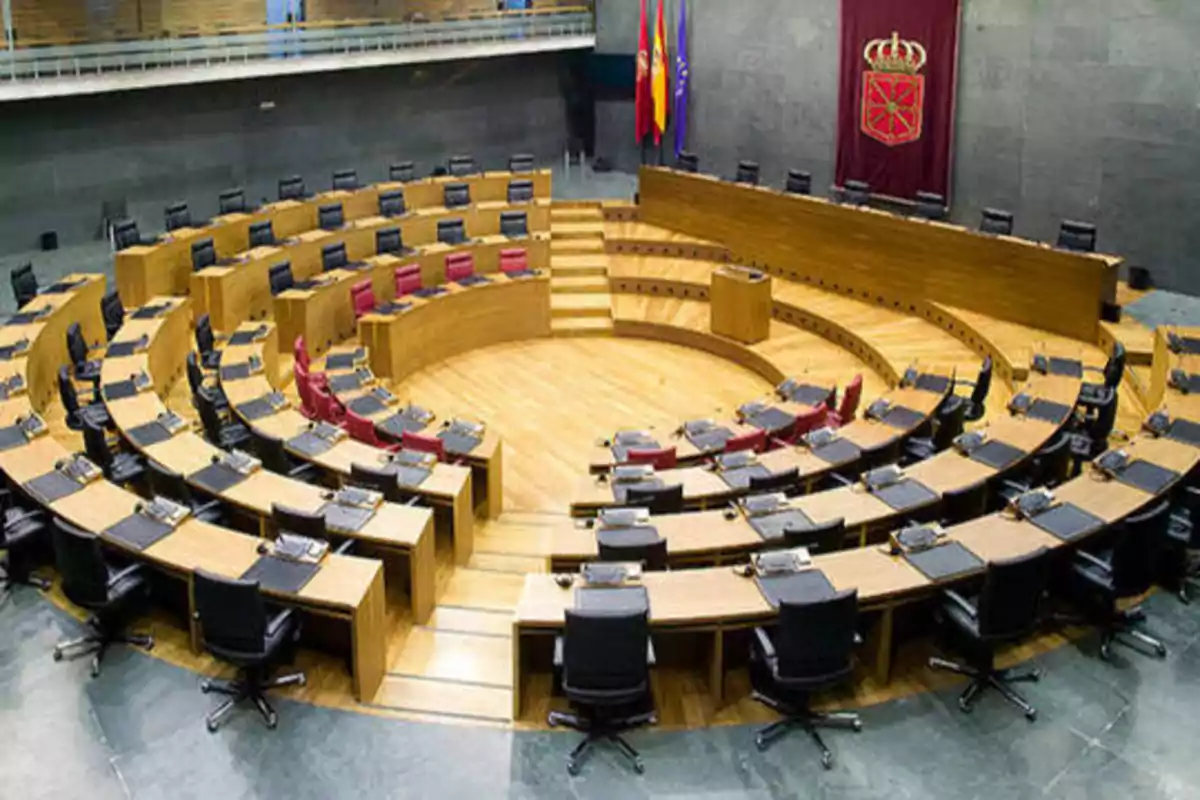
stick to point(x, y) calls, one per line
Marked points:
point(967, 503)
point(996, 221)
point(292, 188)
point(274, 457)
point(225, 435)
point(22, 533)
point(451, 231)
point(520, 162)
point(112, 310)
point(787, 481)
point(687, 162)
point(173, 486)
point(828, 537)
point(76, 412)
point(651, 555)
point(798, 182)
point(125, 234)
point(1079, 236)
point(1006, 610)
point(747, 172)
point(456, 195)
point(345, 179)
point(195, 376)
point(206, 343)
point(82, 369)
point(514, 224)
point(1183, 541)
point(948, 425)
point(177, 215)
point(90, 582)
point(520, 191)
point(204, 254)
point(605, 659)
point(930, 205)
point(977, 403)
point(330, 217)
point(661, 500)
point(459, 166)
point(237, 628)
point(810, 649)
point(232, 201)
point(261, 234)
point(856, 193)
point(292, 520)
point(391, 240)
point(119, 467)
point(401, 171)
point(1047, 468)
point(1092, 440)
point(1092, 395)
point(333, 256)
point(1103, 578)
point(379, 481)
point(391, 203)
point(24, 284)
point(280, 277)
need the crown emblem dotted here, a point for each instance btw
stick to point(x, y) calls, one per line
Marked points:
point(894, 55)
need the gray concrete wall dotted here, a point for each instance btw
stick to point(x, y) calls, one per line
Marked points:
point(1082, 109)
point(62, 159)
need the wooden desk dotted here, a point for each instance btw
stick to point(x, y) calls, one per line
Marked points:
point(885, 256)
point(462, 319)
point(740, 304)
point(322, 315)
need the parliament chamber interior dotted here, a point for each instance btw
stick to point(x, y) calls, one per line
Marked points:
point(628, 398)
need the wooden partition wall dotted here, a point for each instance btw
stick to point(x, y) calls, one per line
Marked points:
point(884, 257)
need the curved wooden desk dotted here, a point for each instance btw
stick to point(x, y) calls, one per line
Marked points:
point(394, 529)
point(34, 348)
point(464, 318)
point(163, 268)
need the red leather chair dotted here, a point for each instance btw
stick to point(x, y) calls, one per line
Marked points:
point(329, 408)
point(755, 440)
point(303, 386)
point(459, 266)
point(363, 430)
point(424, 444)
point(362, 297)
point(663, 458)
point(514, 259)
point(805, 423)
point(300, 352)
point(849, 406)
point(408, 279)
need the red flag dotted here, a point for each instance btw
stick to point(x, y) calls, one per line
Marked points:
point(644, 121)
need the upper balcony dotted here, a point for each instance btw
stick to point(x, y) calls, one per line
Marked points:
point(62, 56)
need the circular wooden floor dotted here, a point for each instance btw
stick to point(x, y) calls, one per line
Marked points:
point(551, 399)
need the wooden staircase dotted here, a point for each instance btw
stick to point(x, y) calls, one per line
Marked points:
point(580, 303)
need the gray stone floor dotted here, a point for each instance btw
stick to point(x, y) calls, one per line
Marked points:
point(1128, 729)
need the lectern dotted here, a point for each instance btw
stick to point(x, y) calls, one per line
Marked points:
point(741, 304)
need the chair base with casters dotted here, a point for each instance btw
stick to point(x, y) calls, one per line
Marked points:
point(598, 728)
point(97, 642)
point(249, 685)
point(989, 677)
point(798, 715)
point(1123, 628)
point(8, 580)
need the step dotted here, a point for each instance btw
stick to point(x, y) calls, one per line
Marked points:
point(575, 215)
point(567, 327)
point(580, 305)
point(444, 697)
point(579, 265)
point(576, 230)
point(515, 564)
point(575, 247)
point(450, 656)
point(480, 589)
point(469, 620)
point(585, 284)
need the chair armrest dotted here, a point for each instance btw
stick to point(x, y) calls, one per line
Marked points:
point(1016, 486)
point(858, 640)
point(651, 658)
point(204, 508)
point(121, 575)
point(764, 641)
point(842, 479)
point(279, 620)
point(22, 516)
point(1094, 561)
point(961, 602)
point(302, 470)
point(558, 651)
point(345, 548)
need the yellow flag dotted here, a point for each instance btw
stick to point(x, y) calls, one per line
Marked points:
point(658, 75)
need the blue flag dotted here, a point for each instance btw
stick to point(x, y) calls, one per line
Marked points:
point(681, 81)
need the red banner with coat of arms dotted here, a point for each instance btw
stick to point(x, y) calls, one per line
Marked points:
point(899, 66)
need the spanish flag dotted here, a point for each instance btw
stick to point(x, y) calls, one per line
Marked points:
point(658, 75)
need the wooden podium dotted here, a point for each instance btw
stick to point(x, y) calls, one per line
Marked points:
point(741, 304)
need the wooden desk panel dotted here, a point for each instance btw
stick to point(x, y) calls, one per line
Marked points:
point(883, 255)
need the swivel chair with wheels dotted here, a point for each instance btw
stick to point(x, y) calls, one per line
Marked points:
point(21, 533)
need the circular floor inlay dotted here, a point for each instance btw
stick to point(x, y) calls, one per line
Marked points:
point(551, 399)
